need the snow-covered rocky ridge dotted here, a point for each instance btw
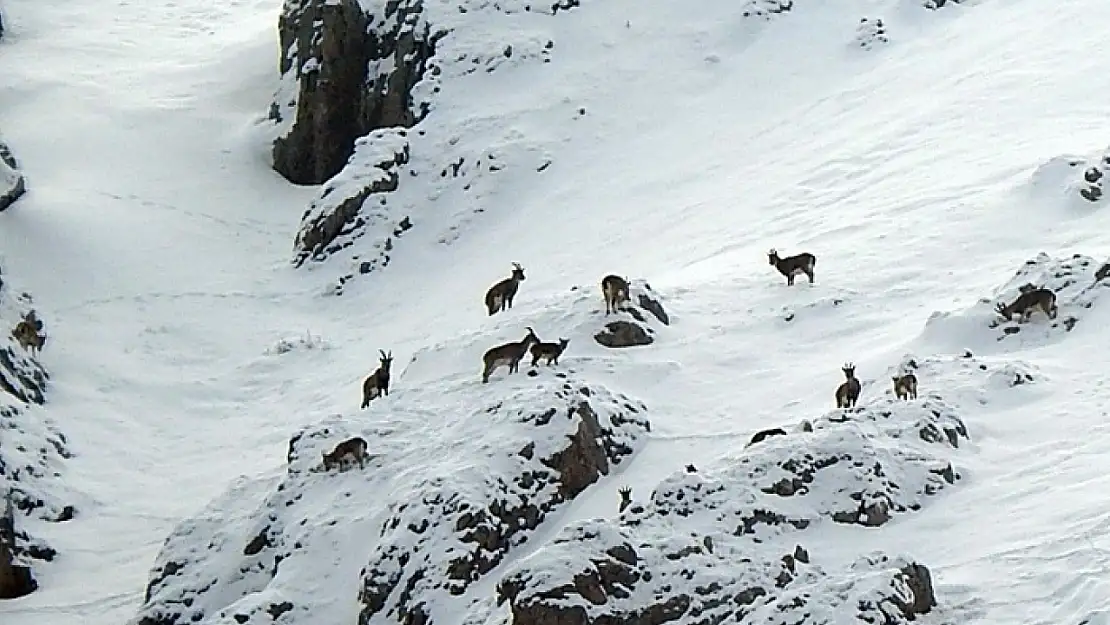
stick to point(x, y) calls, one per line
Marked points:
point(12, 183)
point(32, 450)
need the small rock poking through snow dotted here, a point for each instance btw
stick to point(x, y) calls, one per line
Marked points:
point(871, 32)
point(458, 477)
point(766, 8)
point(711, 545)
point(1079, 177)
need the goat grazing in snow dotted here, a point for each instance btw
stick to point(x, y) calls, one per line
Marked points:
point(1030, 300)
point(615, 291)
point(905, 386)
point(793, 265)
point(549, 351)
point(355, 447)
point(378, 383)
point(848, 392)
point(500, 296)
point(507, 354)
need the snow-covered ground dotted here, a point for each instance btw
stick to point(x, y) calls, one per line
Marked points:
point(923, 168)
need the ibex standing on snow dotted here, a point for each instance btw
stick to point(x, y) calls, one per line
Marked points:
point(351, 447)
point(615, 290)
point(793, 265)
point(1028, 302)
point(378, 383)
point(549, 351)
point(500, 296)
point(508, 354)
point(905, 386)
point(27, 333)
point(848, 393)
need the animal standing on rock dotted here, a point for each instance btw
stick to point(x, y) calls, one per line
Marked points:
point(793, 265)
point(500, 296)
point(848, 392)
point(905, 386)
point(507, 354)
point(355, 447)
point(615, 291)
point(378, 383)
point(626, 498)
point(549, 351)
point(1028, 302)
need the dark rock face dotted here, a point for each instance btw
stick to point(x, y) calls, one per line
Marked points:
point(12, 183)
point(31, 454)
point(624, 334)
point(355, 72)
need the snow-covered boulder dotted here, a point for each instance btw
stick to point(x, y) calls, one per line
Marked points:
point(460, 474)
point(634, 323)
point(870, 32)
point(32, 450)
point(1072, 279)
point(936, 4)
point(12, 183)
point(346, 204)
point(712, 545)
point(1078, 179)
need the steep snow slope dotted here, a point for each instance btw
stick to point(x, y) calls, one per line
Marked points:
point(158, 239)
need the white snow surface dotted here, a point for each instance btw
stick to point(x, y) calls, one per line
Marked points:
point(677, 146)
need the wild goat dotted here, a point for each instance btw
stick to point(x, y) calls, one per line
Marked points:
point(615, 291)
point(549, 351)
point(378, 383)
point(508, 354)
point(905, 386)
point(500, 295)
point(626, 498)
point(793, 265)
point(28, 336)
point(763, 434)
point(848, 393)
point(351, 447)
point(1028, 302)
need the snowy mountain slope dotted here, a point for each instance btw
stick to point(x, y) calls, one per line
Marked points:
point(910, 169)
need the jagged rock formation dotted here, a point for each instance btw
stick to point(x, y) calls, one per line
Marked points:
point(355, 70)
point(434, 511)
point(703, 549)
point(31, 452)
point(638, 330)
point(12, 183)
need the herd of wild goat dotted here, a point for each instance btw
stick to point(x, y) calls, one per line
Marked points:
point(615, 291)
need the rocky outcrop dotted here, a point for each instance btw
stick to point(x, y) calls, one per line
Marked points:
point(444, 499)
point(1079, 178)
point(871, 32)
point(12, 183)
point(31, 454)
point(718, 545)
point(1074, 280)
point(766, 8)
point(936, 4)
point(643, 309)
point(354, 72)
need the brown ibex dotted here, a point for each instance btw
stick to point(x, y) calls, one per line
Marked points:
point(848, 392)
point(549, 351)
point(1028, 302)
point(626, 498)
point(351, 447)
point(793, 265)
point(905, 386)
point(615, 291)
point(378, 383)
point(500, 296)
point(508, 354)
